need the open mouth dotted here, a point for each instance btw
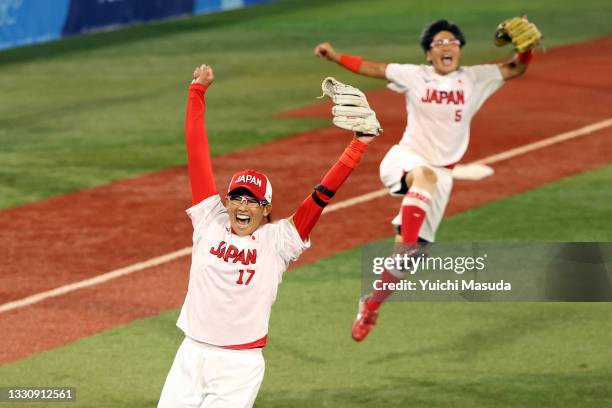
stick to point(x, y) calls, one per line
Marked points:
point(242, 220)
point(447, 60)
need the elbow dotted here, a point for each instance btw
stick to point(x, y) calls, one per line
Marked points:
point(379, 71)
point(520, 73)
point(514, 73)
point(521, 69)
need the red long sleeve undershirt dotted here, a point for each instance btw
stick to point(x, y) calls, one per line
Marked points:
point(198, 152)
point(308, 213)
point(201, 173)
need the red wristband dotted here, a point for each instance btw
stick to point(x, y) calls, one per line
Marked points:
point(352, 62)
point(525, 57)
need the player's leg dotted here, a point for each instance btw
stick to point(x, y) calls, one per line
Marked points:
point(182, 388)
point(417, 186)
point(438, 205)
point(425, 228)
point(394, 167)
point(232, 378)
point(403, 172)
point(407, 175)
point(421, 181)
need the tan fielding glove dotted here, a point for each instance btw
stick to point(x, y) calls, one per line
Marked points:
point(518, 31)
point(351, 110)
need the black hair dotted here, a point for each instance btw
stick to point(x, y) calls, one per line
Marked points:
point(433, 28)
point(242, 191)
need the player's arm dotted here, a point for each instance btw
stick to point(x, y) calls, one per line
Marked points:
point(198, 151)
point(353, 63)
point(308, 213)
point(524, 35)
point(516, 66)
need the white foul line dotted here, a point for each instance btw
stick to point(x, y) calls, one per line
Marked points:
point(95, 280)
point(546, 142)
point(356, 200)
point(334, 207)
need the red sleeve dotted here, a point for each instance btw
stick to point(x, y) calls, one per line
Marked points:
point(198, 152)
point(310, 210)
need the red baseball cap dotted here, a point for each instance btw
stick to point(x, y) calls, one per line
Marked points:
point(257, 183)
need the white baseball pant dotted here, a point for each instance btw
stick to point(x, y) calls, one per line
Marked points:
point(206, 376)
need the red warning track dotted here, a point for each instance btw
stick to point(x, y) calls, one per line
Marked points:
point(77, 236)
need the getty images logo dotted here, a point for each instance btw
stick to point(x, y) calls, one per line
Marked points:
point(6, 7)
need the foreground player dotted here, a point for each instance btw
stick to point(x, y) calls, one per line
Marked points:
point(238, 262)
point(441, 99)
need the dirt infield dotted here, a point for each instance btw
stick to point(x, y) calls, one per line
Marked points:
point(76, 236)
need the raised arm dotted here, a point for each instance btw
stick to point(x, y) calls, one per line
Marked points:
point(353, 63)
point(516, 66)
point(524, 35)
point(198, 152)
point(351, 112)
point(310, 210)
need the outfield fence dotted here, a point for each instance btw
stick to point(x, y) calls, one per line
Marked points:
point(24, 22)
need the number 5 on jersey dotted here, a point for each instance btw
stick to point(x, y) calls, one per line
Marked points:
point(241, 272)
point(458, 113)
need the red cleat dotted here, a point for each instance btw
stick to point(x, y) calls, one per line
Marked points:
point(364, 322)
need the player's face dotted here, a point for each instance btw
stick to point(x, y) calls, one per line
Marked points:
point(444, 53)
point(245, 213)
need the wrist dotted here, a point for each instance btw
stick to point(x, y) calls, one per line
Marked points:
point(351, 62)
point(525, 57)
point(364, 139)
point(358, 145)
point(198, 86)
point(352, 154)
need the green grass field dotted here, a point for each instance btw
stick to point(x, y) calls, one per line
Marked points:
point(422, 354)
point(89, 110)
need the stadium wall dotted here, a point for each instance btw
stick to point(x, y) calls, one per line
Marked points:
point(24, 22)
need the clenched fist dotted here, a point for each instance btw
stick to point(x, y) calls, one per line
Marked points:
point(325, 50)
point(203, 75)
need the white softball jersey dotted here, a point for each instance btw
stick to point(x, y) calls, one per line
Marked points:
point(233, 280)
point(440, 107)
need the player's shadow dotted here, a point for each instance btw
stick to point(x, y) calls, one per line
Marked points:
point(498, 335)
point(295, 352)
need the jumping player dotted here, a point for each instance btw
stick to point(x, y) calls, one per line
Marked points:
point(238, 261)
point(441, 99)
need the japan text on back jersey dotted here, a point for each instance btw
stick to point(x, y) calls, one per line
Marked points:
point(233, 280)
point(440, 107)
